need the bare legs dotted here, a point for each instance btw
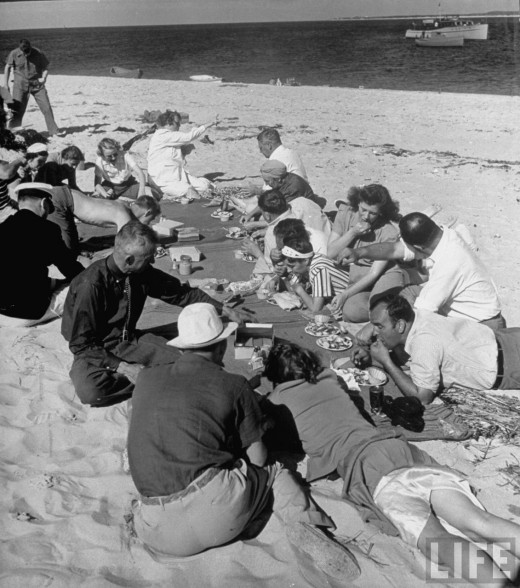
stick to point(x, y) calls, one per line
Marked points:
point(442, 547)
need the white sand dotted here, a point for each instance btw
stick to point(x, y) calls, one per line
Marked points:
point(64, 490)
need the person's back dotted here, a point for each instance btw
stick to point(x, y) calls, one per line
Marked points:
point(30, 244)
point(294, 186)
point(184, 421)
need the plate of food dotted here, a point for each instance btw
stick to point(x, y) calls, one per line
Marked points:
point(244, 288)
point(335, 342)
point(221, 213)
point(236, 233)
point(321, 330)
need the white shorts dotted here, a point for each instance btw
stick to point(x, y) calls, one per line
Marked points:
point(404, 497)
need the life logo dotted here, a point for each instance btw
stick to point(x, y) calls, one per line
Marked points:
point(458, 560)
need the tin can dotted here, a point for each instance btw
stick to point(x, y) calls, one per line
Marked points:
point(185, 265)
point(376, 399)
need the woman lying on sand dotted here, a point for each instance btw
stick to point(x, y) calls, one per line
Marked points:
point(431, 506)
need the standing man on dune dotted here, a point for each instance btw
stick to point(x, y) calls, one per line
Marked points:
point(30, 68)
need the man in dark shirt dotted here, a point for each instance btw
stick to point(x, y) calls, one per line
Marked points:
point(197, 457)
point(102, 308)
point(30, 68)
point(31, 244)
point(276, 176)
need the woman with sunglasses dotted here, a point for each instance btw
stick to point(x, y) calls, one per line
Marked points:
point(366, 220)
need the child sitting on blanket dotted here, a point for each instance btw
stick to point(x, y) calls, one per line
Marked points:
point(431, 506)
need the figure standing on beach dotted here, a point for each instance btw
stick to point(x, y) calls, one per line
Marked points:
point(166, 162)
point(30, 69)
point(197, 458)
point(101, 312)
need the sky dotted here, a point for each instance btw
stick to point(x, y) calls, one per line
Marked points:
point(23, 15)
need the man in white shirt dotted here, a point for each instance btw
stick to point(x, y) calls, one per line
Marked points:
point(271, 147)
point(458, 285)
point(442, 351)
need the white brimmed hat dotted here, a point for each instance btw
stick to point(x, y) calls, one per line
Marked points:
point(199, 326)
point(35, 187)
point(37, 148)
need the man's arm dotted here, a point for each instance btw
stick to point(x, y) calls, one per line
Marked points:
point(404, 382)
point(7, 74)
point(45, 75)
point(137, 172)
point(390, 250)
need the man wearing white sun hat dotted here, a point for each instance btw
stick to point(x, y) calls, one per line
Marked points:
point(198, 461)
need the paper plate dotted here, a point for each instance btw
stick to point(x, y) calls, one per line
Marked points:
point(321, 330)
point(335, 343)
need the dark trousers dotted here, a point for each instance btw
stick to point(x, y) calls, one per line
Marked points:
point(19, 105)
point(98, 386)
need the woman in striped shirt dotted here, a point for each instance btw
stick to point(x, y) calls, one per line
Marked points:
point(326, 280)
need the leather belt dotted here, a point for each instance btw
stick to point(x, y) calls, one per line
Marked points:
point(500, 366)
point(198, 483)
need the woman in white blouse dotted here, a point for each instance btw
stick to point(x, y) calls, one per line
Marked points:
point(166, 157)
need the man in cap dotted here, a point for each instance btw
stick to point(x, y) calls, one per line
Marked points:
point(290, 185)
point(30, 68)
point(101, 312)
point(31, 244)
point(197, 457)
point(270, 146)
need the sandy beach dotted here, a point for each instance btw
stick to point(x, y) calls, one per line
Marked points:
point(65, 487)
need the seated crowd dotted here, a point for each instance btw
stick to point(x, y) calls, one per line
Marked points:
point(432, 319)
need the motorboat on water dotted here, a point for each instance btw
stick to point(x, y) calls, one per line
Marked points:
point(452, 26)
point(437, 39)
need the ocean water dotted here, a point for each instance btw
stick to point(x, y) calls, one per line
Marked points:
point(372, 54)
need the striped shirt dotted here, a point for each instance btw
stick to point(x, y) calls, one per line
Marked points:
point(5, 200)
point(326, 279)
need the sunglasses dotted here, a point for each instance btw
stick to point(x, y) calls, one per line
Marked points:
point(38, 154)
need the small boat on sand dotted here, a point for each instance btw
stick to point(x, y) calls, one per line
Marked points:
point(205, 78)
point(122, 72)
point(439, 40)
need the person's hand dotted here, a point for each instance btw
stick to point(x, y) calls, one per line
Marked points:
point(298, 288)
point(348, 256)
point(258, 233)
point(130, 370)
point(361, 228)
point(379, 353)
point(361, 357)
point(249, 246)
point(366, 335)
point(240, 316)
point(338, 302)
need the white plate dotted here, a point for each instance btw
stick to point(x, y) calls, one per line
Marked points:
point(321, 330)
point(335, 343)
point(221, 213)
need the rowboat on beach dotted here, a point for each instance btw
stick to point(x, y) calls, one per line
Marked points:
point(439, 40)
point(122, 72)
point(205, 78)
